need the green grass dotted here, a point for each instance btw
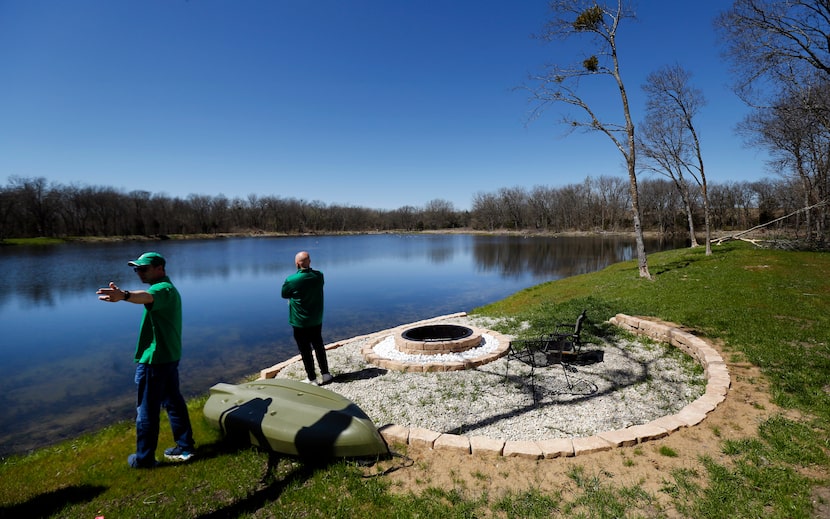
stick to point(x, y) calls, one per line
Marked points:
point(668, 452)
point(32, 241)
point(769, 308)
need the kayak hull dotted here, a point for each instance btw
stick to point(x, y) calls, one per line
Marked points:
point(292, 417)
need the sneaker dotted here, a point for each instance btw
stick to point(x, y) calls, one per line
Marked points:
point(312, 381)
point(178, 454)
point(326, 378)
point(132, 460)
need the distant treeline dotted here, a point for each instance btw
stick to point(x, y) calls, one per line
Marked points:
point(35, 207)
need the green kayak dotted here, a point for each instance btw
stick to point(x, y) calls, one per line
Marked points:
point(292, 417)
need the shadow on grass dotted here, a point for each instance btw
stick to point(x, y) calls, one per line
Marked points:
point(314, 456)
point(47, 504)
point(270, 487)
point(686, 261)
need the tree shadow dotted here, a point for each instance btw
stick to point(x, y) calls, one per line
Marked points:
point(47, 504)
point(242, 428)
point(684, 262)
point(270, 488)
point(548, 386)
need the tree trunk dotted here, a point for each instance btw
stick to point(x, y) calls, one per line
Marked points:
point(706, 215)
point(687, 203)
point(642, 261)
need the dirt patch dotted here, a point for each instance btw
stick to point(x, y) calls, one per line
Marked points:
point(746, 406)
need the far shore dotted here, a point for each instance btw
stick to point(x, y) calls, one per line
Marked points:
point(263, 234)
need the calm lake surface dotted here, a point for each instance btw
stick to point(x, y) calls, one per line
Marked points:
point(66, 358)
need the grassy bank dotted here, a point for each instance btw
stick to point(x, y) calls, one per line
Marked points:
point(768, 308)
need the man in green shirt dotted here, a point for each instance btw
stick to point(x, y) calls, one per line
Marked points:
point(304, 291)
point(157, 356)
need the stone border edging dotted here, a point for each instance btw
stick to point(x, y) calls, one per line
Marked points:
point(717, 387)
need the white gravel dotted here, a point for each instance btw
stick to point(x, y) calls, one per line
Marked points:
point(638, 381)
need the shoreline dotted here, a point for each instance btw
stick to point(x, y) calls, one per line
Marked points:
point(262, 234)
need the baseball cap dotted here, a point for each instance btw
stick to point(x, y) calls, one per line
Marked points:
point(148, 258)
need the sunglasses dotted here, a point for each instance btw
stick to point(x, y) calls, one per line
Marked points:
point(142, 268)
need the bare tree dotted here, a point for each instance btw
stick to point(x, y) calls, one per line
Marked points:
point(732, 205)
point(574, 206)
point(659, 202)
point(10, 225)
point(541, 204)
point(38, 199)
point(560, 84)
point(438, 214)
point(670, 139)
point(514, 204)
point(613, 201)
point(775, 42)
point(796, 132)
point(486, 211)
point(661, 146)
point(402, 218)
point(781, 55)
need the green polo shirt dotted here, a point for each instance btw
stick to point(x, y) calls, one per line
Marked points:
point(160, 336)
point(304, 291)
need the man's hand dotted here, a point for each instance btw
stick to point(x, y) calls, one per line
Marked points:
point(112, 294)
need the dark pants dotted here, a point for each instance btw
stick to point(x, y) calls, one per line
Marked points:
point(158, 385)
point(308, 338)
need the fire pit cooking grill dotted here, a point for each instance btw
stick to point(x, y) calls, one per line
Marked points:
point(436, 347)
point(435, 339)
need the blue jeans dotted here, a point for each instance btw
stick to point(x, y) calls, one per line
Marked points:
point(158, 385)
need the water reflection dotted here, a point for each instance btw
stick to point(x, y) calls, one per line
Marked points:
point(66, 358)
point(566, 256)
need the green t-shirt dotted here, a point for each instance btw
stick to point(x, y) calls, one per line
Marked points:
point(160, 336)
point(304, 291)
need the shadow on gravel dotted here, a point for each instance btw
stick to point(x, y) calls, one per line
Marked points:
point(363, 374)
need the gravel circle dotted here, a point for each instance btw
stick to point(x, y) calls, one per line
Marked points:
point(637, 382)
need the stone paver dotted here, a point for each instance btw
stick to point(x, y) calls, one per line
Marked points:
point(556, 447)
point(670, 423)
point(485, 445)
point(591, 444)
point(420, 436)
point(620, 437)
point(522, 449)
point(395, 434)
point(453, 442)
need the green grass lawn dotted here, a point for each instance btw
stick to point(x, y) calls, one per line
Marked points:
point(770, 308)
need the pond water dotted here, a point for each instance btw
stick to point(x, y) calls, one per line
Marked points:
point(66, 358)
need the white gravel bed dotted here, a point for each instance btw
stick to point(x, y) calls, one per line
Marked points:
point(637, 382)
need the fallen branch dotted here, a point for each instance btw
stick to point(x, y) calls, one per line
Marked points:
point(755, 242)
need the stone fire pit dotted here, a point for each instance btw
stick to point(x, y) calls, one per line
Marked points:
point(436, 347)
point(433, 339)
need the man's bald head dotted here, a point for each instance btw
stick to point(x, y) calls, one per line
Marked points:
point(302, 260)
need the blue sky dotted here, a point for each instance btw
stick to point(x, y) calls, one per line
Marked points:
point(371, 103)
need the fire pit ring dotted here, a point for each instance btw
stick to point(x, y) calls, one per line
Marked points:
point(437, 332)
point(478, 348)
point(434, 339)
